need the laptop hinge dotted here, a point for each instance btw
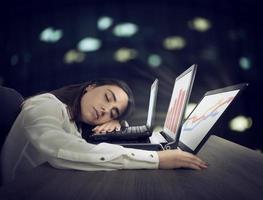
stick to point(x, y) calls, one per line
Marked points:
point(171, 145)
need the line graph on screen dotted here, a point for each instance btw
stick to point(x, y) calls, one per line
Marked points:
point(194, 121)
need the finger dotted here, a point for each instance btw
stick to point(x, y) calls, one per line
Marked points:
point(203, 166)
point(198, 163)
point(118, 126)
point(113, 127)
point(193, 157)
point(99, 127)
point(103, 128)
point(110, 129)
point(95, 129)
point(194, 166)
point(100, 130)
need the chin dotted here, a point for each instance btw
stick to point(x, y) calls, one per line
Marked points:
point(87, 121)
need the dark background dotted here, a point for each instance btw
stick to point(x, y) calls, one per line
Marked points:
point(31, 66)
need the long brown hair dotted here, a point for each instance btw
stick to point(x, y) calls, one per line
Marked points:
point(71, 96)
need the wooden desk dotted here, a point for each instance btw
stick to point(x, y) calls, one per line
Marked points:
point(235, 172)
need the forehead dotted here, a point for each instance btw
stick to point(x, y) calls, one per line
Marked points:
point(114, 88)
point(120, 94)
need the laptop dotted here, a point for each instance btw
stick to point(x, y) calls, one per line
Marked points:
point(174, 117)
point(132, 133)
point(196, 129)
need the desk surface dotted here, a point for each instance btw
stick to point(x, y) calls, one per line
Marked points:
point(235, 172)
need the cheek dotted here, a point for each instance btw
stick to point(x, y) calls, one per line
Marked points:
point(124, 107)
point(84, 110)
point(82, 107)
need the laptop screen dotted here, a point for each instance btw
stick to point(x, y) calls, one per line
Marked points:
point(152, 103)
point(180, 96)
point(205, 115)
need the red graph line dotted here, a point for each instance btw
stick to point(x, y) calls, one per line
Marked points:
point(212, 109)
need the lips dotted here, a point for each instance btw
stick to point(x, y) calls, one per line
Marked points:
point(96, 113)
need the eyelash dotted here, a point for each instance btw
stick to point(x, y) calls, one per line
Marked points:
point(107, 98)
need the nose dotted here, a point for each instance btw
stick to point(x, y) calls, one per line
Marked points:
point(105, 109)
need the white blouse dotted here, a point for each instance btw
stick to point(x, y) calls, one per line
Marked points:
point(43, 132)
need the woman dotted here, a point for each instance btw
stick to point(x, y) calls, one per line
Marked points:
point(49, 127)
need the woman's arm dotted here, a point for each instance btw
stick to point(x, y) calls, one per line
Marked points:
point(170, 159)
point(44, 123)
point(44, 127)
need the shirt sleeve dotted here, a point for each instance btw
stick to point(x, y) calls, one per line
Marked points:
point(44, 128)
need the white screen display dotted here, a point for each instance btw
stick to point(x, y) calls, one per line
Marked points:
point(152, 103)
point(177, 104)
point(204, 117)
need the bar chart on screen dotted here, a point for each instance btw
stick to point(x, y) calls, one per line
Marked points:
point(175, 111)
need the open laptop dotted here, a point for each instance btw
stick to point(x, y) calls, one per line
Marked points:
point(132, 133)
point(174, 117)
point(196, 129)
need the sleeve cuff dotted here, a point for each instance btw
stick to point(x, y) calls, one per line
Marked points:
point(141, 159)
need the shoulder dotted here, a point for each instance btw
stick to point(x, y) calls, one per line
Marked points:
point(44, 104)
point(46, 98)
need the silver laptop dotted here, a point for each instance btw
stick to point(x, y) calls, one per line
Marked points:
point(196, 129)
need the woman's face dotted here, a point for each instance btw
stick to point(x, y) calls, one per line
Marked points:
point(101, 104)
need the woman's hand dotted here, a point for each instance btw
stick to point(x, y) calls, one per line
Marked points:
point(170, 159)
point(107, 127)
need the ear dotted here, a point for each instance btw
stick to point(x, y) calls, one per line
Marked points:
point(90, 87)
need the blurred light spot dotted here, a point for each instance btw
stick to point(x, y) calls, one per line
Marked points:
point(27, 57)
point(50, 35)
point(209, 53)
point(154, 60)
point(245, 63)
point(14, 60)
point(240, 123)
point(104, 23)
point(125, 54)
point(174, 42)
point(74, 56)
point(89, 44)
point(189, 108)
point(125, 29)
point(200, 24)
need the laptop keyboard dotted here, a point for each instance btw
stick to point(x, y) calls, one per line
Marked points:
point(133, 129)
point(130, 133)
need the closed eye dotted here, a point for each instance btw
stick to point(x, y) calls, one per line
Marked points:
point(107, 98)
